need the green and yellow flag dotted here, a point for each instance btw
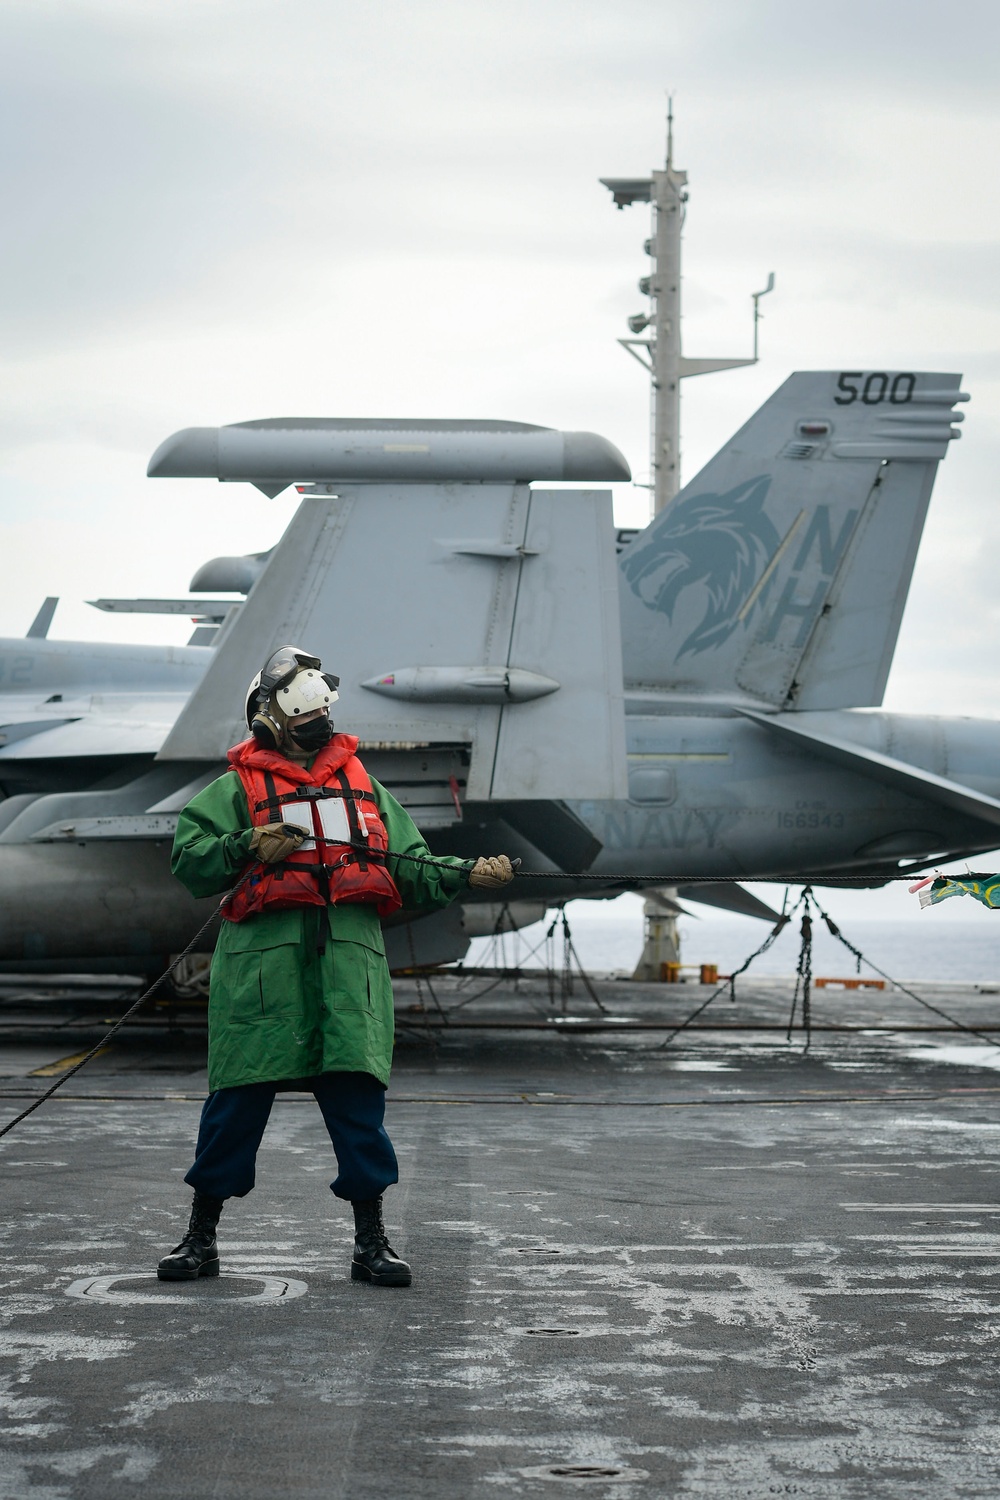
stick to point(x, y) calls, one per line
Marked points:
point(984, 888)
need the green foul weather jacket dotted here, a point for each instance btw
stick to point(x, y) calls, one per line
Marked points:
point(278, 1008)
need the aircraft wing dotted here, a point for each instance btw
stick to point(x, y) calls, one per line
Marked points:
point(727, 895)
point(117, 724)
point(72, 699)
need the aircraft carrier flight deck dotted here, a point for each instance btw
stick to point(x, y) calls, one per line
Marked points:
point(721, 1266)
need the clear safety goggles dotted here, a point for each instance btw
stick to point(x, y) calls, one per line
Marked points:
point(283, 666)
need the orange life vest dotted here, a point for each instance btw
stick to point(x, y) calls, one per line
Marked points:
point(344, 859)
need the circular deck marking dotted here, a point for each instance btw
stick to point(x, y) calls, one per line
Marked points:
point(559, 1331)
point(585, 1473)
point(205, 1289)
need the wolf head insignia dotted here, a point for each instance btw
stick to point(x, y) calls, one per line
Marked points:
point(721, 542)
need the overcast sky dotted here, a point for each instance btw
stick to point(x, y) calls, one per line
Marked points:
point(223, 209)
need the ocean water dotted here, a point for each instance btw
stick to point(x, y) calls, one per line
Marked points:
point(957, 940)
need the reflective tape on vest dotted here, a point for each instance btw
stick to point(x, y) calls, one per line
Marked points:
point(331, 815)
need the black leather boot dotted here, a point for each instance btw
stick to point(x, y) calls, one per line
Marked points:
point(197, 1254)
point(374, 1258)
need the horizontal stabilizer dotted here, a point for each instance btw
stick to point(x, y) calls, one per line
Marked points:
point(552, 827)
point(11, 734)
point(908, 778)
point(195, 609)
point(728, 896)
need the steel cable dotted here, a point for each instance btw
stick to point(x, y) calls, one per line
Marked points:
point(98, 1046)
point(729, 983)
point(863, 958)
point(607, 879)
point(863, 882)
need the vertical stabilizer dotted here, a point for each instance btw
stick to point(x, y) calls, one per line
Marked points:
point(477, 617)
point(39, 628)
point(779, 574)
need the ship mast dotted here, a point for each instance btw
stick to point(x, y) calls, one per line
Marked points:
point(660, 351)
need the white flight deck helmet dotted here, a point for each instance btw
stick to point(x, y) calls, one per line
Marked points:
point(291, 682)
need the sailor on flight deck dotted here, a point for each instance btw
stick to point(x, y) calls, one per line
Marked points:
point(300, 993)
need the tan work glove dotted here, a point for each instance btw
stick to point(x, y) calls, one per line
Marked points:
point(492, 873)
point(276, 841)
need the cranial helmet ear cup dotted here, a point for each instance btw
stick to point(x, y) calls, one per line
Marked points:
point(265, 730)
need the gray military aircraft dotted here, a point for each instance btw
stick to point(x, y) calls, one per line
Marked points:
point(685, 704)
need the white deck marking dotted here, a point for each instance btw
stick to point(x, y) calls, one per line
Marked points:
point(103, 1289)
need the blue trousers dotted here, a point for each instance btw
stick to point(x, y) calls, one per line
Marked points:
point(232, 1127)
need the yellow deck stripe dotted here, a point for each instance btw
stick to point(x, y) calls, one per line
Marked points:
point(64, 1064)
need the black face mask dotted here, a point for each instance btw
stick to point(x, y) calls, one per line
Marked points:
point(313, 735)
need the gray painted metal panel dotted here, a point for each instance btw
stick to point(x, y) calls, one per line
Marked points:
point(124, 826)
point(96, 900)
point(853, 642)
point(550, 828)
point(359, 581)
point(63, 814)
point(566, 626)
point(276, 452)
point(42, 666)
point(39, 627)
point(26, 729)
point(98, 725)
point(362, 581)
point(198, 609)
point(884, 768)
point(729, 897)
point(236, 575)
point(779, 574)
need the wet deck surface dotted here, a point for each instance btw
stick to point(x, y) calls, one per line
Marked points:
point(718, 1268)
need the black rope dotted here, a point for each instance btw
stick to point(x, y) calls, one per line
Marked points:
point(99, 1046)
point(571, 953)
point(550, 959)
point(935, 1009)
point(549, 972)
point(803, 973)
point(634, 880)
point(502, 929)
point(729, 983)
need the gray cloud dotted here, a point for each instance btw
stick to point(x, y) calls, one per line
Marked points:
point(191, 154)
point(216, 210)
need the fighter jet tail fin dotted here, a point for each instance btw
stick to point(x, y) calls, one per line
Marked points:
point(778, 576)
point(38, 630)
point(475, 630)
